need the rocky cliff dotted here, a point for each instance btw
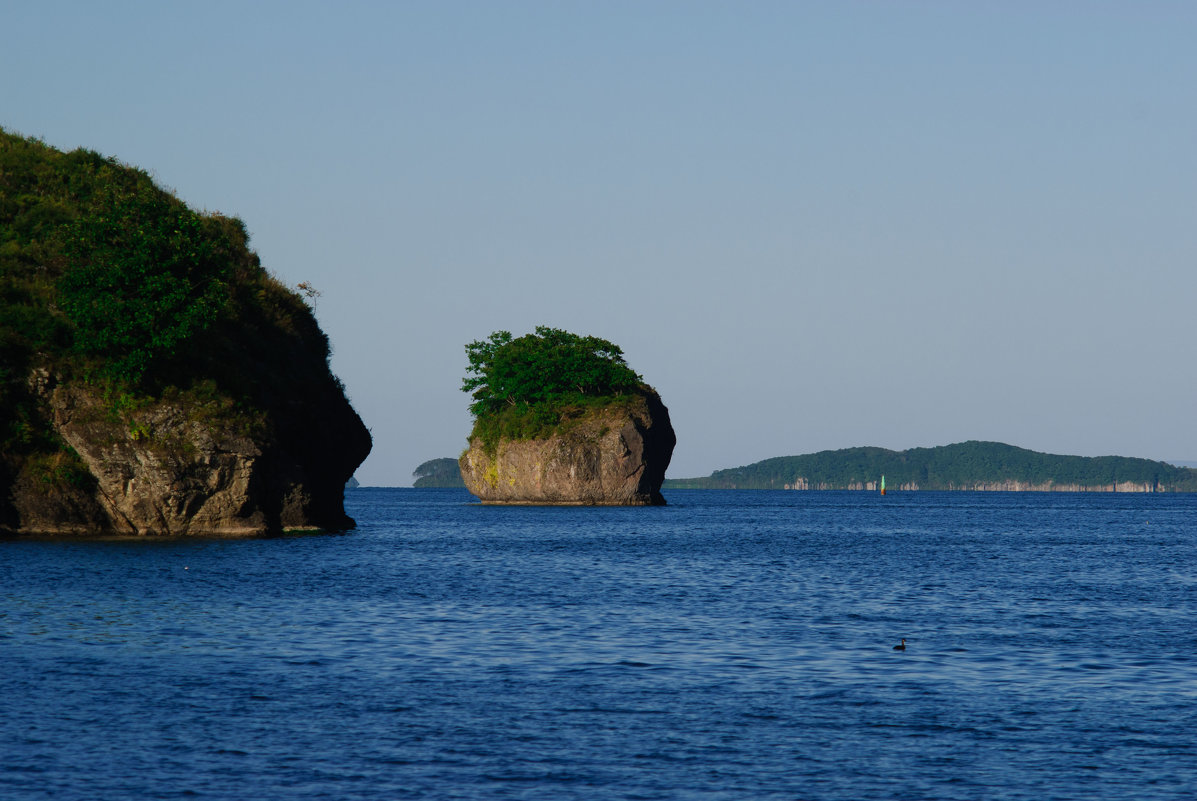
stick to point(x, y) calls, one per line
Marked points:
point(170, 468)
point(155, 379)
point(185, 464)
point(613, 456)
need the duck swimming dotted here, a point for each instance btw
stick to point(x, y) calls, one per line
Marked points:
point(901, 647)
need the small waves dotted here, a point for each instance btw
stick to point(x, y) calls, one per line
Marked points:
point(730, 646)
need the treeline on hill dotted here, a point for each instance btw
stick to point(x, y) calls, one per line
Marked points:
point(534, 385)
point(438, 473)
point(107, 279)
point(962, 466)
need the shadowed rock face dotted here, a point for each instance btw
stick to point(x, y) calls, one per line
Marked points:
point(172, 470)
point(611, 457)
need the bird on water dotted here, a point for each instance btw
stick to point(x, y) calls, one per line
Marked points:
point(901, 647)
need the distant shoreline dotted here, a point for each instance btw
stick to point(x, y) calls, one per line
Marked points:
point(964, 467)
point(681, 485)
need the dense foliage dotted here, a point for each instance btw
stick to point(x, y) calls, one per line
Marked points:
point(962, 466)
point(438, 473)
point(550, 367)
point(144, 274)
point(533, 385)
point(108, 279)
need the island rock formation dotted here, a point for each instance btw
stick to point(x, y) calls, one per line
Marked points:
point(611, 456)
point(155, 378)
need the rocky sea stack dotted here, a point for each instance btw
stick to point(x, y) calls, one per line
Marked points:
point(154, 378)
point(609, 456)
point(560, 419)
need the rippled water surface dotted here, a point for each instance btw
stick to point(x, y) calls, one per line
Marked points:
point(733, 645)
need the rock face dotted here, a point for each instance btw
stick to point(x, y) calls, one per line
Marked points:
point(174, 469)
point(611, 457)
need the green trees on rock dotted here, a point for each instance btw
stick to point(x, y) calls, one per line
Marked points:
point(551, 367)
point(533, 385)
point(111, 282)
point(145, 273)
point(101, 268)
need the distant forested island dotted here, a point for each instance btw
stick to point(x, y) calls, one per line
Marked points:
point(438, 473)
point(964, 466)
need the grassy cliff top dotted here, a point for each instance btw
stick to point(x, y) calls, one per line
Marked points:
point(524, 421)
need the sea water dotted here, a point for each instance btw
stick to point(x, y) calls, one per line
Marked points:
point(731, 645)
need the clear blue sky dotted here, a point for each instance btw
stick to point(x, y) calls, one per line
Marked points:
point(809, 225)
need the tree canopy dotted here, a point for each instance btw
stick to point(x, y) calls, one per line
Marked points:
point(550, 367)
point(145, 274)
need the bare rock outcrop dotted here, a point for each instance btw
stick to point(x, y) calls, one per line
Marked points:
point(613, 456)
point(174, 468)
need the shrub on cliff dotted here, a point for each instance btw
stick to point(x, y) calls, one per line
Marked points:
point(528, 386)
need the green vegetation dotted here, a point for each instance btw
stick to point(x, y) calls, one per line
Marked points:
point(537, 384)
point(144, 273)
point(950, 467)
point(110, 281)
point(438, 473)
point(549, 367)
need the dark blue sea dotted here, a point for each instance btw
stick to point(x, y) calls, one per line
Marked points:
point(731, 645)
